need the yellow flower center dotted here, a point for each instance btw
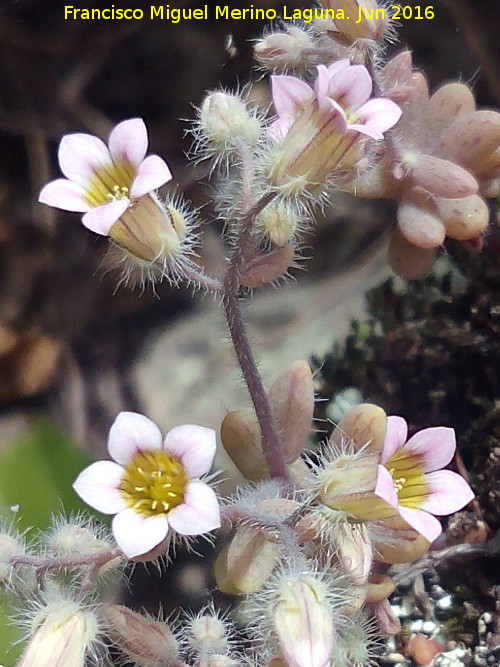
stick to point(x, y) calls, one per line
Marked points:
point(409, 479)
point(110, 183)
point(153, 483)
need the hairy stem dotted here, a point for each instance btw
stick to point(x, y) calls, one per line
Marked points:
point(271, 441)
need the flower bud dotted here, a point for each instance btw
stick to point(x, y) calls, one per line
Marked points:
point(302, 618)
point(278, 223)
point(363, 19)
point(224, 119)
point(207, 635)
point(10, 546)
point(65, 634)
point(284, 50)
point(143, 640)
point(354, 552)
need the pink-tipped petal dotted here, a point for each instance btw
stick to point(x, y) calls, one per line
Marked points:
point(448, 493)
point(338, 66)
point(98, 486)
point(424, 523)
point(378, 115)
point(64, 194)
point(194, 446)
point(385, 487)
point(321, 86)
point(128, 142)
point(101, 218)
point(132, 433)
point(351, 87)
point(290, 94)
point(80, 155)
point(136, 535)
point(279, 128)
point(395, 436)
point(199, 513)
point(434, 447)
point(153, 172)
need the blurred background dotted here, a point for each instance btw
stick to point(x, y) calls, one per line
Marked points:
point(74, 350)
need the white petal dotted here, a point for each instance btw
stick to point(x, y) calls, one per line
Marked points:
point(132, 433)
point(101, 218)
point(290, 94)
point(64, 194)
point(128, 141)
point(434, 447)
point(448, 493)
point(80, 155)
point(199, 513)
point(424, 523)
point(98, 486)
point(395, 436)
point(152, 173)
point(136, 534)
point(194, 446)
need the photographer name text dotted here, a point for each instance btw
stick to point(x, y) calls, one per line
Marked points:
point(225, 12)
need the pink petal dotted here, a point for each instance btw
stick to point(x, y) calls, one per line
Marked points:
point(385, 487)
point(132, 433)
point(424, 523)
point(98, 486)
point(64, 194)
point(194, 446)
point(321, 86)
point(338, 66)
point(448, 493)
point(377, 116)
point(279, 128)
point(80, 155)
point(290, 94)
point(101, 218)
point(351, 87)
point(395, 436)
point(128, 141)
point(136, 534)
point(434, 447)
point(151, 174)
point(199, 513)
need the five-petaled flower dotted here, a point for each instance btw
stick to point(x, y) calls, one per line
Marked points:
point(320, 126)
point(410, 476)
point(153, 487)
point(103, 181)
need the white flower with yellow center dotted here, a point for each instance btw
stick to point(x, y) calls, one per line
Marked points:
point(103, 181)
point(153, 487)
point(411, 480)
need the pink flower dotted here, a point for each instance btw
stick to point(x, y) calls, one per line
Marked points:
point(103, 181)
point(411, 480)
point(342, 92)
point(154, 486)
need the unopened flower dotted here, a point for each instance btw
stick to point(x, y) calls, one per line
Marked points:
point(65, 633)
point(303, 621)
point(411, 478)
point(154, 488)
point(359, 19)
point(319, 126)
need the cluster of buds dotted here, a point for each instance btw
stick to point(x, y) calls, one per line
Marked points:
point(442, 161)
